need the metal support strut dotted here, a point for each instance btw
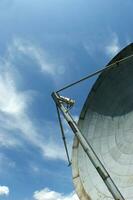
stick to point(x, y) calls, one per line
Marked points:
point(88, 149)
point(63, 135)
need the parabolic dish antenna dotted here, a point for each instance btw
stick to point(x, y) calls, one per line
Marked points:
point(106, 120)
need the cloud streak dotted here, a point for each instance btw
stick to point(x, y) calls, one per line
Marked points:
point(47, 194)
point(114, 46)
point(6, 163)
point(38, 55)
point(13, 112)
point(16, 126)
point(12, 101)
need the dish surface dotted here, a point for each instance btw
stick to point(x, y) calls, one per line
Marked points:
point(106, 120)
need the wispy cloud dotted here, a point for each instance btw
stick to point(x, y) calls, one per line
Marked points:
point(98, 45)
point(15, 123)
point(6, 163)
point(53, 150)
point(4, 190)
point(113, 47)
point(49, 147)
point(8, 140)
point(47, 194)
point(38, 55)
point(15, 117)
point(13, 105)
point(12, 101)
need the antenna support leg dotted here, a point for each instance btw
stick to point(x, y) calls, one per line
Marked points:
point(87, 148)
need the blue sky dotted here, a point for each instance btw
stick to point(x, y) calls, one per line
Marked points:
point(43, 46)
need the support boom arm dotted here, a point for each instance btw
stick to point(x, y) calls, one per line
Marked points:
point(87, 148)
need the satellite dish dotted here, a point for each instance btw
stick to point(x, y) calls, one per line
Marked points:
point(106, 120)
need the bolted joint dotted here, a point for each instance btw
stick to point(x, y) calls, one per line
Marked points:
point(60, 99)
point(67, 100)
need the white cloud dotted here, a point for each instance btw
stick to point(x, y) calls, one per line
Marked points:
point(4, 190)
point(102, 44)
point(26, 130)
point(113, 47)
point(54, 151)
point(13, 105)
point(16, 126)
point(49, 147)
point(38, 55)
point(47, 194)
point(13, 116)
point(7, 140)
point(11, 101)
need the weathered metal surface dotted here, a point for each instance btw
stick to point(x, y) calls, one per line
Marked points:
point(107, 121)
